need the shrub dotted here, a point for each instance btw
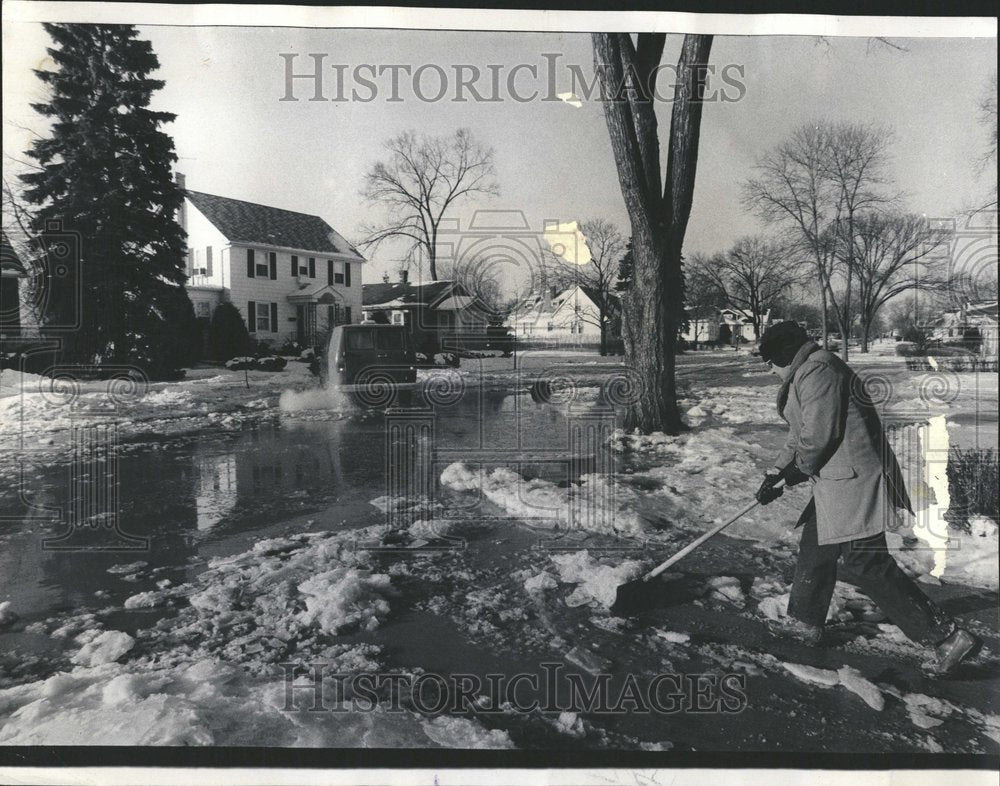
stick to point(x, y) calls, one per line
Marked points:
point(227, 333)
point(169, 339)
point(915, 336)
point(266, 363)
point(972, 485)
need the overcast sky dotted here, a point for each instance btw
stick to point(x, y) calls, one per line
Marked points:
point(236, 138)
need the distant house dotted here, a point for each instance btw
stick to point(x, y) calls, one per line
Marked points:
point(706, 326)
point(434, 311)
point(972, 318)
point(702, 328)
point(13, 276)
point(291, 275)
point(570, 315)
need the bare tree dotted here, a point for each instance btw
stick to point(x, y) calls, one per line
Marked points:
point(479, 275)
point(815, 184)
point(894, 253)
point(988, 119)
point(598, 277)
point(422, 177)
point(658, 205)
point(855, 162)
point(702, 298)
point(752, 277)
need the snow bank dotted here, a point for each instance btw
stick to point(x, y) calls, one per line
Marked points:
point(209, 703)
point(737, 404)
point(593, 505)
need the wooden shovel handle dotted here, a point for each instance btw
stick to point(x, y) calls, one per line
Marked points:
point(696, 543)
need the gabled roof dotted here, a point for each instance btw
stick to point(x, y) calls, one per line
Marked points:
point(251, 223)
point(401, 295)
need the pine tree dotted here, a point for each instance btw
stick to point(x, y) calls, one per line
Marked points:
point(105, 173)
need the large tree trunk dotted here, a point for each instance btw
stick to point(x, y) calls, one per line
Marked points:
point(658, 214)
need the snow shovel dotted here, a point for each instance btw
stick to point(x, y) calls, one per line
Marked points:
point(635, 595)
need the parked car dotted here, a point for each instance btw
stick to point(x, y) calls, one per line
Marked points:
point(369, 352)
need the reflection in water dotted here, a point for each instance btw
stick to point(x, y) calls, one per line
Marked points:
point(207, 498)
point(215, 488)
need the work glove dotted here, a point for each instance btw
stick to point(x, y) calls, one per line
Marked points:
point(767, 493)
point(793, 475)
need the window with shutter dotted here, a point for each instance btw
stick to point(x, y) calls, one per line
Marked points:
point(272, 264)
point(274, 317)
point(252, 317)
point(263, 320)
point(295, 266)
point(251, 267)
point(347, 314)
point(208, 260)
point(312, 267)
point(329, 271)
point(347, 274)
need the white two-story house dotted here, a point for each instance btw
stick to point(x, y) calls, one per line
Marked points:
point(291, 275)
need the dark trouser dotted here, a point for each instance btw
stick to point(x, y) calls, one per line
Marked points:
point(868, 565)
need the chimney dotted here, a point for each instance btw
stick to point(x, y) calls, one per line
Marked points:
point(182, 219)
point(182, 215)
point(404, 276)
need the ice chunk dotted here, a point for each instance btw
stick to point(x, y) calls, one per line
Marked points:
point(813, 675)
point(540, 582)
point(854, 681)
point(131, 567)
point(672, 636)
point(460, 477)
point(7, 615)
point(596, 581)
point(106, 647)
point(455, 732)
point(144, 600)
point(343, 597)
point(726, 588)
point(588, 661)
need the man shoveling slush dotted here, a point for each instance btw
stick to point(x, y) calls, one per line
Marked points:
point(836, 442)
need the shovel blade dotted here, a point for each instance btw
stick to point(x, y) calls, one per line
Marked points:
point(633, 597)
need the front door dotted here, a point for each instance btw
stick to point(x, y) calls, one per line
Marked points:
point(305, 320)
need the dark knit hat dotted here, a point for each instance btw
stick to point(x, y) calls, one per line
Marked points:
point(781, 341)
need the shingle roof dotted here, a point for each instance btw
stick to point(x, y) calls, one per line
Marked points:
point(376, 294)
point(248, 222)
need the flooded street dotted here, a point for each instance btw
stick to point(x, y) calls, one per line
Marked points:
point(479, 500)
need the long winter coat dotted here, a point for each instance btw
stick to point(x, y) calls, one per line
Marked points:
point(835, 436)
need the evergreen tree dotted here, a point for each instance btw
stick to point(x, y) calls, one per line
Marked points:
point(105, 173)
point(227, 334)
